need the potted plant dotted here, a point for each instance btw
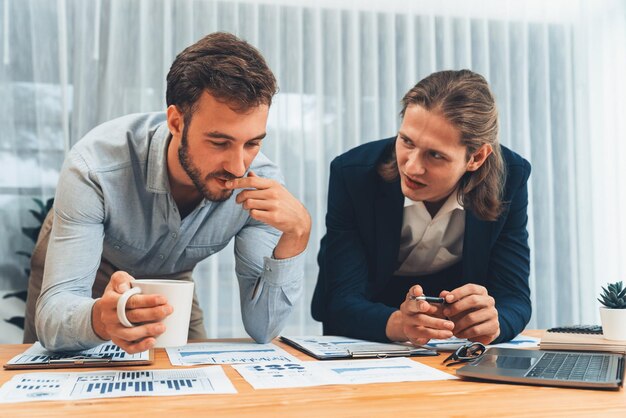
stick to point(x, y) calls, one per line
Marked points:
point(613, 313)
point(33, 234)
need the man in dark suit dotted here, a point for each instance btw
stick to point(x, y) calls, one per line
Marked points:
point(441, 209)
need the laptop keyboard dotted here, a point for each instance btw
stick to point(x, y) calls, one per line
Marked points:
point(581, 367)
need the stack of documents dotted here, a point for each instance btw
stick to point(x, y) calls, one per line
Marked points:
point(580, 342)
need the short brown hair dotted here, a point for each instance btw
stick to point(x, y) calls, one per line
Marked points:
point(465, 100)
point(230, 69)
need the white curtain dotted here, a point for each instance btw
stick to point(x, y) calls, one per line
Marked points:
point(557, 69)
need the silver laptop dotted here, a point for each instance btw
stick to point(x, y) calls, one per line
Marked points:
point(548, 368)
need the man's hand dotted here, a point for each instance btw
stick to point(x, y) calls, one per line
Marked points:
point(147, 311)
point(270, 202)
point(418, 321)
point(473, 312)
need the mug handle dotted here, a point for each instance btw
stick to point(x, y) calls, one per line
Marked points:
point(121, 306)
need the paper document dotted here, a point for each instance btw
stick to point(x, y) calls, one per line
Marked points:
point(114, 384)
point(451, 344)
point(313, 373)
point(227, 353)
point(286, 375)
point(384, 370)
point(37, 356)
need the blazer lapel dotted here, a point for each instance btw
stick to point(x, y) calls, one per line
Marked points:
point(388, 209)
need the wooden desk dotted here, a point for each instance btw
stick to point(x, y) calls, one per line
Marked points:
point(426, 399)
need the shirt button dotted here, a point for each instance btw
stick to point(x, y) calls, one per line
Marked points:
point(268, 268)
point(117, 247)
point(161, 256)
point(174, 235)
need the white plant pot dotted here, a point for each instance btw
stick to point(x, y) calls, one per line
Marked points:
point(613, 324)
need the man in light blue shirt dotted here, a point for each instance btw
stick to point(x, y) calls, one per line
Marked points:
point(153, 194)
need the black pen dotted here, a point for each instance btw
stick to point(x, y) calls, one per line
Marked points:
point(429, 299)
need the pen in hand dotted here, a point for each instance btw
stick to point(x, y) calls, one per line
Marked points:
point(429, 299)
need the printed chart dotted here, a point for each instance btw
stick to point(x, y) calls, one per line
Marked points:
point(227, 353)
point(314, 373)
point(113, 384)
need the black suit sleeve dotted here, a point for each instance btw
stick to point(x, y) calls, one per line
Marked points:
point(344, 271)
point(509, 265)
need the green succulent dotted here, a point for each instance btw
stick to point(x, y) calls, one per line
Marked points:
point(613, 296)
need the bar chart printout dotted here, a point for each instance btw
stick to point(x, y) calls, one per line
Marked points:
point(113, 384)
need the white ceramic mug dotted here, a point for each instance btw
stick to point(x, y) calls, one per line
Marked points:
point(179, 294)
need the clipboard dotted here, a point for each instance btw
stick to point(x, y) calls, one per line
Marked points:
point(330, 347)
point(104, 355)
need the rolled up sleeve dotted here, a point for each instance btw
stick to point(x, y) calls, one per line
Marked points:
point(63, 315)
point(269, 288)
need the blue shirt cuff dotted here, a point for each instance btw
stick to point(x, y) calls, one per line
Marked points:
point(283, 271)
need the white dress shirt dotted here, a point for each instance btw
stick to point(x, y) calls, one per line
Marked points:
point(429, 245)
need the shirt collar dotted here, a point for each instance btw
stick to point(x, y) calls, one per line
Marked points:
point(157, 178)
point(452, 203)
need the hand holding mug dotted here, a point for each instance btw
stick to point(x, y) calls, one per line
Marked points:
point(180, 298)
point(146, 311)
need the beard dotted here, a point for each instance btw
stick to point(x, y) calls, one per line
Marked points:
point(196, 177)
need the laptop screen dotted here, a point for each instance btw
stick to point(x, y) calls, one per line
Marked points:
point(507, 362)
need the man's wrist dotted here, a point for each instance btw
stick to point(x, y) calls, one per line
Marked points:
point(290, 245)
point(394, 330)
point(96, 323)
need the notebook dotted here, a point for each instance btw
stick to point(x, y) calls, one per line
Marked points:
point(107, 354)
point(548, 368)
point(328, 347)
point(580, 337)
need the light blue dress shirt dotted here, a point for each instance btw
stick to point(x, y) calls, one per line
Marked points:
point(113, 202)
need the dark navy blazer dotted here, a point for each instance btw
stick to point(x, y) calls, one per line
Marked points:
point(359, 254)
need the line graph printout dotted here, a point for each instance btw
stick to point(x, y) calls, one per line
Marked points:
point(313, 373)
point(37, 354)
point(356, 372)
point(227, 353)
point(115, 384)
